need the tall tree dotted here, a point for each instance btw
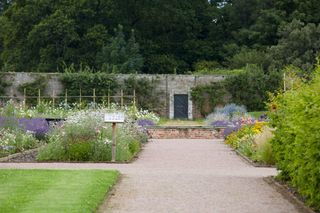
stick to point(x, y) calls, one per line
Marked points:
point(298, 45)
point(120, 56)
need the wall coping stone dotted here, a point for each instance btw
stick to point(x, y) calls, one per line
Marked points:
point(185, 127)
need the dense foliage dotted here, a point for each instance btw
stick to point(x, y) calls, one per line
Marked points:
point(34, 89)
point(295, 114)
point(207, 97)
point(169, 37)
point(3, 84)
point(82, 84)
point(145, 90)
point(251, 87)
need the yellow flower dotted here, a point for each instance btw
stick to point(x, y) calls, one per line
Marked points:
point(257, 128)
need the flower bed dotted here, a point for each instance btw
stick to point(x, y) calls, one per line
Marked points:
point(16, 140)
point(81, 136)
point(253, 141)
point(249, 136)
point(84, 136)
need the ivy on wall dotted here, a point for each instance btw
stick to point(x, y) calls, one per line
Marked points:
point(85, 82)
point(3, 84)
point(146, 95)
point(207, 97)
point(32, 89)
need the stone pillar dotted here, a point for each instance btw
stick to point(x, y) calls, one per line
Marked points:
point(171, 105)
point(190, 114)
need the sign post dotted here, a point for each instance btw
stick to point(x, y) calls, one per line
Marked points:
point(114, 118)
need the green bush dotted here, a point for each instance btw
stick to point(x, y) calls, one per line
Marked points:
point(134, 147)
point(251, 87)
point(295, 114)
point(265, 154)
point(207, 97)
point(249, 56)
point(80, 151)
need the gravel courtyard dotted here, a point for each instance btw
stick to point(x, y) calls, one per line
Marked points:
point(184, 175)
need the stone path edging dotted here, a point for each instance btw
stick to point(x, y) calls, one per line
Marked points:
point(285, 191)
point(11, 158)
point(250, 162)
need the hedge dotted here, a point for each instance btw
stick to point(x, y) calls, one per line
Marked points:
point(296, 145)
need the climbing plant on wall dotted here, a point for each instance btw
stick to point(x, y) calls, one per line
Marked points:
point(207, 97)
point(32, 89)
point(147, 97)
point(3, 84)
point(87, 83)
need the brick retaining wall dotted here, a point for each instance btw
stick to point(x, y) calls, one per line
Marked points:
point(173, 132)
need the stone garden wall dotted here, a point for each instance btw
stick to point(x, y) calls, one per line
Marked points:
point(167, 86)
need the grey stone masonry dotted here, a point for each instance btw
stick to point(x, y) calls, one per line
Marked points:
point(167, 86)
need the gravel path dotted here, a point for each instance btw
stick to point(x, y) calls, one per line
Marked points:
point(186, 176)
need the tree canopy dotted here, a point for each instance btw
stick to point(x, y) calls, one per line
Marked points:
point(157, 37)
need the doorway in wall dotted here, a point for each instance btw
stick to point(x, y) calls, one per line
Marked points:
point(181, 106)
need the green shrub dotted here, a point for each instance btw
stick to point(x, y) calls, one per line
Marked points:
point(134, 147)
point(101, 151)
point(54, 150)
point(249, 56)
point(207, 97)
point(264, 154)
point(80, 151)
point(206, 65)
point(251, 87)
point(246, 145)
point(295, 114)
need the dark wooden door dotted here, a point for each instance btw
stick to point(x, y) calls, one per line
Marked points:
point(181, 106)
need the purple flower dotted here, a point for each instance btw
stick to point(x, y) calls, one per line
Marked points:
point(37, 125)
point(145, 122)
point(222, 123)
point(227, 131)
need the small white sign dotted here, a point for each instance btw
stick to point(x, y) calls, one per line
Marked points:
point(115, 117)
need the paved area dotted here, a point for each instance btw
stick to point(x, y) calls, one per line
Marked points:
point(186, 176)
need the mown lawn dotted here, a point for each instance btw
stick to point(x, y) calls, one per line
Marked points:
point(257, 114)
point(54, 190)
point(177, 122)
